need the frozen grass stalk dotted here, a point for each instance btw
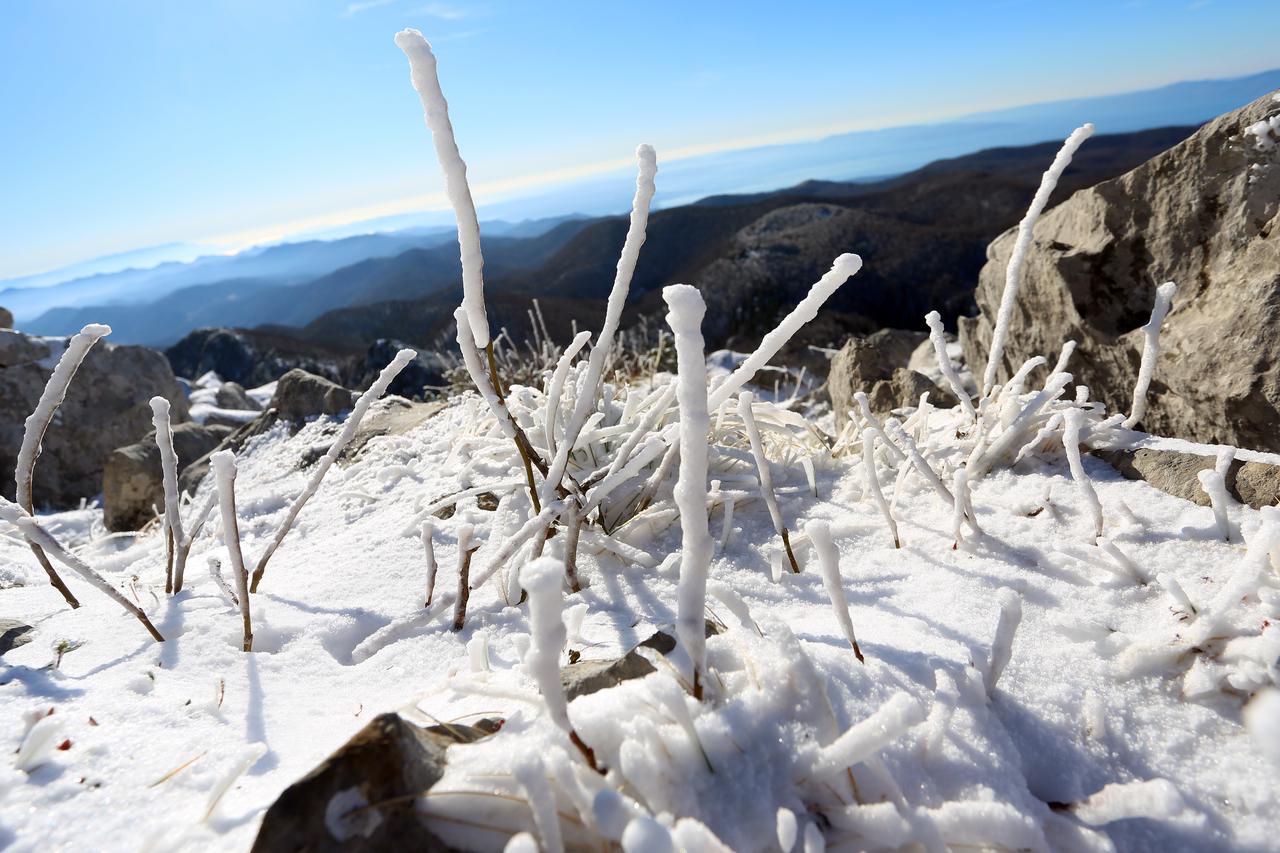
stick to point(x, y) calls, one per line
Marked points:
point(863, 740)
point(422, 73)
point(542, 579)
point(37, 536)
point(745, 399)
point(465, 551)
point(939, 339)
point(1150, 353)
point(1002, 644)
point(223, 464)
point(349, 428)
point(873, 482)
point(1013, 273)
point(1073, 419)
point(819, 533)
point(429, 549)
point(1213, 484)
point(169, 472)
point(685, 318)
point(37, 424)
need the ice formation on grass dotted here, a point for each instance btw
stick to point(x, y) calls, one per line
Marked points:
point(172, 508)
point(1150, 352)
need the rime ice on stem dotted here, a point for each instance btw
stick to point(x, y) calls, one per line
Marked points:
point(37, 536)
point(169, 473)
point(429, 548)
point(1002, 644)
point(37, 423)
point(819, 533)
point(422, 68)
point(934, 320)
point(1013, 273)
point(1214, 485)
point(863, 740)
point(556, 387)
point(1073, 419)
point(1150, 353)
point(223, 464)
point(349, 427)
point(685, 319)
point(745, 399)
point(873, 482)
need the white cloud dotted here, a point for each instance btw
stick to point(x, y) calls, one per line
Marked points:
point(443, 11)
point(365, 5)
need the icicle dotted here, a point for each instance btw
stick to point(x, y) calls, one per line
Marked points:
point(422, 67)
point(1150, 352)
point(819, 533)
point(1013, 274)
point(685, 319)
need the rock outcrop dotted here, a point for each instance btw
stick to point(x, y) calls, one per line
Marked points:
point(252, 357)
point(132, 484)
point(106, 407)
point(6, 319)
point(1203, 214)
point(877, 364)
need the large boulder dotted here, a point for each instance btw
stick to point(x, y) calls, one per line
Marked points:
point(106, 407)
point(132, 485)
point(411, 382)
point(877, 364)
point(6, 318)
point(253, 357)
point(1202, 214)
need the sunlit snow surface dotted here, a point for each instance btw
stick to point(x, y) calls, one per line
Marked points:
point(1100, 690)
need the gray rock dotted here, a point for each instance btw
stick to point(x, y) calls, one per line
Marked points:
point(877, 364)
point(1202, 214)
point(389, 416)
point(586, 677)
point(13, 634)
point(301, 395)
point(233, 396)
point(367, 792)
point(107, 406)
point(132, 487)
point(6, 318)
point(1254, 483)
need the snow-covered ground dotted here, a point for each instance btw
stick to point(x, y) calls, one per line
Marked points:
point(136, 740)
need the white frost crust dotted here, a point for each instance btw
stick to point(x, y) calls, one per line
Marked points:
point(1150, 352)
point(422, 73)
point(1013, 273)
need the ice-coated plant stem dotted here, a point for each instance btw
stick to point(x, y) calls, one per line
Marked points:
point(873, 423)
point(556, 387)
point(38, 536)
point(1013, 273)
point(934, 320)
point(819, 533)
point(1150, 353)
point(1002, 644)
point(169, 474)
point(223, 464)
point(686, 310)
point(863, 740)
point(873, 482)
point(745, 400)
point(429, 549)
point(349, 427)
point(465, 550)
point(1215, 486)
point(543, 579)
point(1073, 419)
point(37, 424)
point(423, 75)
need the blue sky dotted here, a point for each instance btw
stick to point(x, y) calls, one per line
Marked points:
point(228, 122)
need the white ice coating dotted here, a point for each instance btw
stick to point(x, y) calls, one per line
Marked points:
point(686, 310)
point(1215, 486)
point(1177, 593)
point(223, 464)
point(1150, 352)
point(841, 270)
point(642, 429)
point(1155, 798)
point(939, 339)
point(542, 579)
point(873, 423)
point(169, 473)
point(220, 581)
point(535, 525)
point(532, 777)
point(1073, 419)
point(422, 72)
point(1068, 349)
point(873, 482)
point(745, 400)
point(349, 427)
point(1013, 273)
point(863, 740)
point(55, 391)
point(819, 533)
point(1002, 644)
point(1262, 719)
point(1013, 435)
point(479, 376)
point(894, 429)
point(429, 549)
point(786, 829)
point(959, 484)
point(35, 534)
point(556, 388)
point(586, 401)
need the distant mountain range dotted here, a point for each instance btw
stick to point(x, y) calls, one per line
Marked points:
point(298, 284)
